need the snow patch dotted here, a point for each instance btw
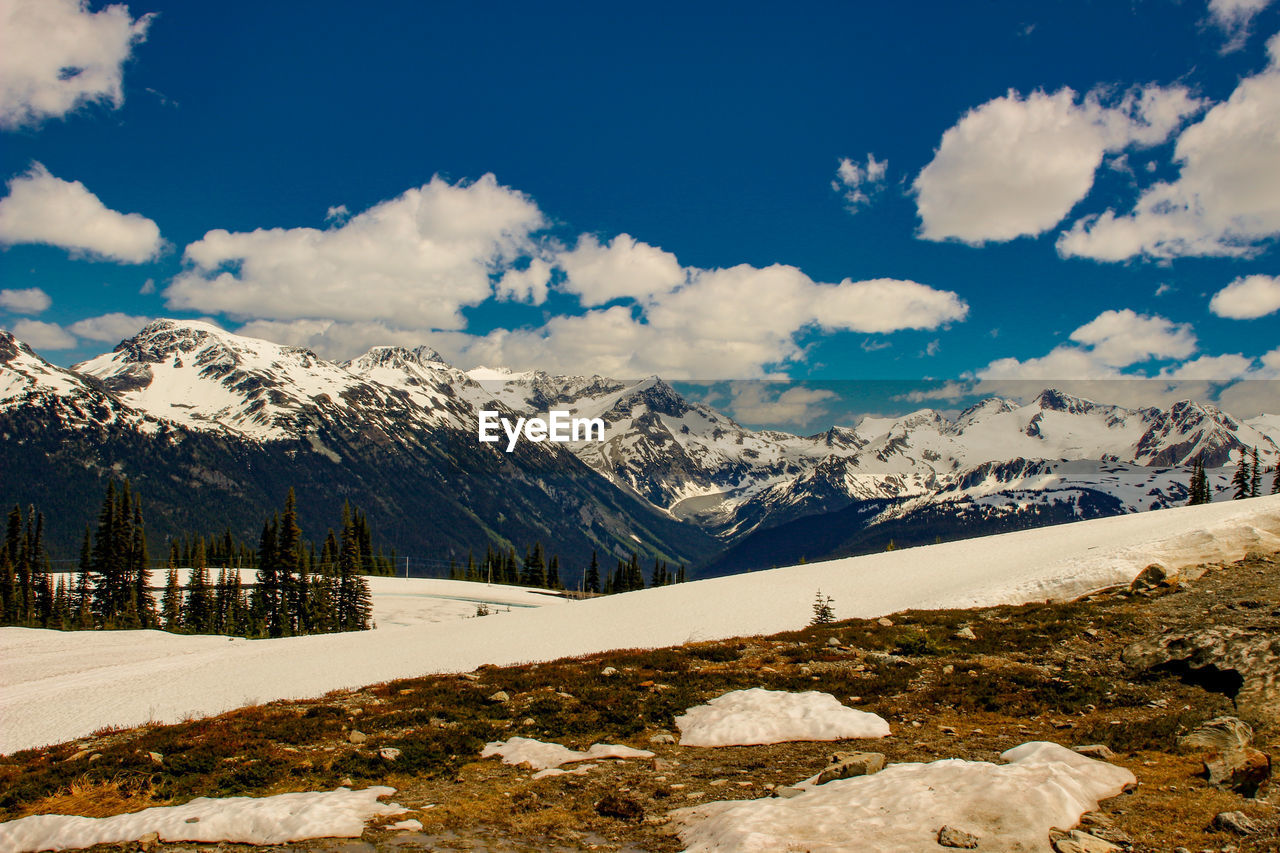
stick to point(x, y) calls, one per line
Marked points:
point(537, 755)
point(242, 820)
point(1010, 807)
point(759, 716)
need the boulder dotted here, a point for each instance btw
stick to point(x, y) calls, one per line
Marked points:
point(846, 765)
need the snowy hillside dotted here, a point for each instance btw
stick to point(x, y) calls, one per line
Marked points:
point(57, 686)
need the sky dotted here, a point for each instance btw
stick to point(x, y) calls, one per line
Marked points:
point(950, 196)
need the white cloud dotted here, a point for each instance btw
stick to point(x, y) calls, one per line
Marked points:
point(526, 285)
point(30, 300)
point(56, 56)
point(859, 182)
point(40, 335)
point(1247, 298)
point(1233, 17)
point(752, 403)
point(41, 208)
point(1122, 338)
point(623, 268)
point(1111, 341)
point(1015, 166)
point(109, 328)
point(1226, 199)
point(415, 260)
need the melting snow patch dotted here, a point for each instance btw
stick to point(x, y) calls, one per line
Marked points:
point(542, 756)
point(758, 716)
point(1010, 807)
point(244, 820)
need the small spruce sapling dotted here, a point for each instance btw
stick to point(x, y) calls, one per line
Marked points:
point(823, 611)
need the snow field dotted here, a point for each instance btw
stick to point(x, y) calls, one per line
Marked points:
point(57, 686)
point(246, 820)
point(1010, 807)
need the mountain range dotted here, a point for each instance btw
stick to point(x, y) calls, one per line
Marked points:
point(213, 428)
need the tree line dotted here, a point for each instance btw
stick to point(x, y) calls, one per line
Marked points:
point(298, 589)
point(1246, 482)
point(536, 570)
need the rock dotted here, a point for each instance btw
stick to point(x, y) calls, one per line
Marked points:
point(965, 633)
point(1237, 822)
point(357, 736)
point(1152, 576)
point(620, 807)
point(1100, 751)
point(608, 672)
point(663, 737)
point(1230, 762)
point(1242, 664)
point(390, 753)
point(500, 697)
point(949, 836)
point(1082, 842)
point(846, 765)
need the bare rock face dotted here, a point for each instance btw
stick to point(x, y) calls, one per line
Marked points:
point(1240, 663)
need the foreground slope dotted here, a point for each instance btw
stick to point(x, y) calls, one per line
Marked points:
point(128, 678)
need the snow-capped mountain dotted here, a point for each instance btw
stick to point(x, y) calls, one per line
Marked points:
point(396, 427)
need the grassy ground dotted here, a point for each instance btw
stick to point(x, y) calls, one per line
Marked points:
point(1037, 672)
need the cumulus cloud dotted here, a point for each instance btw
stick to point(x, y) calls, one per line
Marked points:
point(56, 56)
point(760, 403)
point(622, 268)
point(108, 328)
point(1247, 298)
point(29, 300)
point(1015, 166)
point(1111, 341)
point(40, 335)
point(41, 208)
point(417, 259)
point(1226, 199)
point(858, 182)
point(1233, 17)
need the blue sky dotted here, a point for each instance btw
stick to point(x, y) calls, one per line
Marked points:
point(960, 193)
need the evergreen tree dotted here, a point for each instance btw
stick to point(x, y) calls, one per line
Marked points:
point(1240, 480)
point(592, 580)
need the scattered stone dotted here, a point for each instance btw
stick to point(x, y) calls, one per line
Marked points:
point(609, 672)
point(949, 836)
point(1150, 577)
point(1237, 822)
point(620, 807)
point(357, 736)
point(1082, 842)
point(500, 697)
point(846, 765)
point(965, 633)
point(390, 753)
point(663, 737)
point(1100, 751)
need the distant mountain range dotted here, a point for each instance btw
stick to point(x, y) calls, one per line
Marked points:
point(213, 427)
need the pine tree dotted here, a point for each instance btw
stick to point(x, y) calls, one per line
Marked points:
point(592, 580)
point(1255, 476)
point(1240, 480)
